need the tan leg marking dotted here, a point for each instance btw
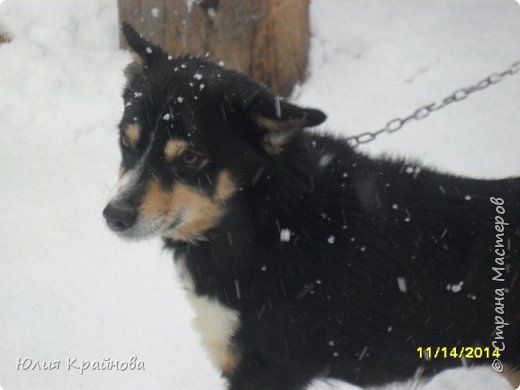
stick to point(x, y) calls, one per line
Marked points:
point(230, 362)
point(174, 148)
point(216, 324)
point(513, 376)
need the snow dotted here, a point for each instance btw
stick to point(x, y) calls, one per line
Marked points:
point(457, 287)
point(454, 379)
point(285, 235)
point(156, 11)
point(375, 61)
point(401, 282)
point(70, 288)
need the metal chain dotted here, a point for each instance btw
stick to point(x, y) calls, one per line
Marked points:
point(424, 111)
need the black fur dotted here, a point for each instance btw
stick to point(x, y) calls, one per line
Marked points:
point(366, 274)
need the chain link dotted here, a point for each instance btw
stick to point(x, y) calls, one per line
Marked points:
point(422, 112)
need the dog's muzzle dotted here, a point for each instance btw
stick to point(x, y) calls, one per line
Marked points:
point(120, 216)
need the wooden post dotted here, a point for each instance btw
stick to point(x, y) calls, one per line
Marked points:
point(267, 39)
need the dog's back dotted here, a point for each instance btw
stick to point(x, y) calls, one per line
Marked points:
point(381, 258)
point(430, 260)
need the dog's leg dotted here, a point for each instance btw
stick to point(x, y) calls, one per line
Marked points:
point(250, 376)
point(513, 376)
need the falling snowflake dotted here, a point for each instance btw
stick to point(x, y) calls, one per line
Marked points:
point(285, 235)
point(401, 282)
point(455, 287)
point(277, 107)
point(155, 11)
point(363, 353)
point(325, 160)
point(331, 239)
point(237, 288)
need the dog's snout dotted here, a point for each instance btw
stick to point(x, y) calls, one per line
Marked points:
point(120, 216)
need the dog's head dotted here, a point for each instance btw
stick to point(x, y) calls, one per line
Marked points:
point(192, 136)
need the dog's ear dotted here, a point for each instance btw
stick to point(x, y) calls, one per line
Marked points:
point(279, 121)
point(147, 52)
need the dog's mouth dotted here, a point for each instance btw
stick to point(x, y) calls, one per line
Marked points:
point(180, 213)
point(129, 224)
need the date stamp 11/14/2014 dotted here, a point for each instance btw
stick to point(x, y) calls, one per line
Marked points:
point(429, 353)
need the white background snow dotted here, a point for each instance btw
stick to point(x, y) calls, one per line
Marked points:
point(70, 288)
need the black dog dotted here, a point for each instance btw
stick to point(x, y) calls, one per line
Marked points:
point(302, 257)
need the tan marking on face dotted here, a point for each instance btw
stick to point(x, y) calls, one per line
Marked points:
point(133, 132)
point(121, 171)
point(199, 211)
point(226, 187)
point(155, 201)
point(174, 148)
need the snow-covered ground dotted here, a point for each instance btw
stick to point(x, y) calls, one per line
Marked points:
point(71, 289)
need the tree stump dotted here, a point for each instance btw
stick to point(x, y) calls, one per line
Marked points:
point(266, 39)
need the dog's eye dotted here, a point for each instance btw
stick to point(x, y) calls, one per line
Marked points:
point(125, 140)
point(190, 158)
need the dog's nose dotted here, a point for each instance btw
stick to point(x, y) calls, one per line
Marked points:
point(120, 216)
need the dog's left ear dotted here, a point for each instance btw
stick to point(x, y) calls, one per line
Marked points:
point(147, 52)
point(280, 121)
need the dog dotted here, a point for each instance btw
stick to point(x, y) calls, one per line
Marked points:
point(302, 257)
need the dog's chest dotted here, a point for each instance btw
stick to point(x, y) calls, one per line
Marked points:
point(216, 323)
